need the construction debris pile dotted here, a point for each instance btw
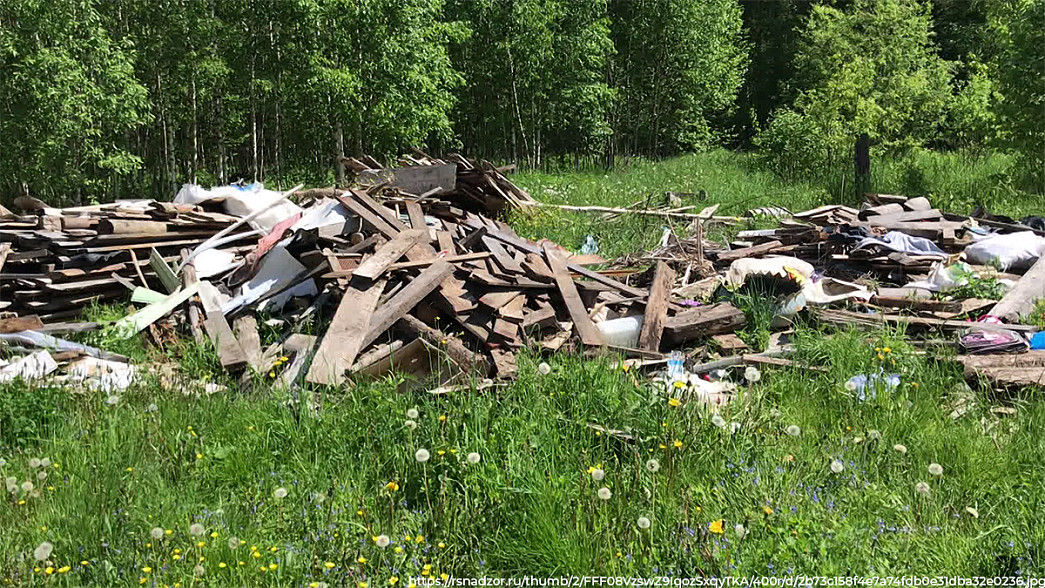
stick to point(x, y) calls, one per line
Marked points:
point(412, 271)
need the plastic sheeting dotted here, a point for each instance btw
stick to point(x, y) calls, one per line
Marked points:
point(1007, 252)
point(241, 201)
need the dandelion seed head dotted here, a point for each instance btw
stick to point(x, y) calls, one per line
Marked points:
point(652, 465)
point(901, 449)
point(598, 474)
point(112, 400)
point(935, 469)
point(644, 523)
point(544, 369)
point(382, 541)
point(409, 424)
point(27, 486)
point(921, 488)
point(837, 466)
point(604, 493)
point(718, 421)
point(874, 434)
point(740, 531)
point(752, 375)
point(411, 413)
point(422, 455)
point(474, 457)
point(793, 430)
point(196, 529)
point(156, 533)
point(34, 463)
point(41, 476)
point(279, 493)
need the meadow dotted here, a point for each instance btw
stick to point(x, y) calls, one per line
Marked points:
point(578, 467)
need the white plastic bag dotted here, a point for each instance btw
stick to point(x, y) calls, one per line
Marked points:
point(1008, 252)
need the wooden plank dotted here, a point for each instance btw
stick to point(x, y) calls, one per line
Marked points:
point(405, 300)
point(375, 265)
point(138, 321)
point(5, 250)
point(446, 242)
point(850, 318)
point(345, 337)
point(449, 258)
point(469, 361)
point(417, 219)
point(188, 278)
point(230, 353)
point(542, 316)
point(586, 329)
point(374, 220)
point(415, 179)
point(246, 328)
point(505, 331)
point(702, 321)
point(755, 251)
point(22, 323)
point(513, 310)
point(1019, 301)
point(656, 307)
point(506, 262)
point(163, 271)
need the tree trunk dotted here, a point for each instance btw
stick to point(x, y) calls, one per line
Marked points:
point(862, 160)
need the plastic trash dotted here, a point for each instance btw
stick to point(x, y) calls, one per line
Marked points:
point(1037, 341)
point(785, 268)
point(1012, 251)
point(590, 247)
point(676, 366)
point(621, 332)
point(1003, 341)
point(862, 383)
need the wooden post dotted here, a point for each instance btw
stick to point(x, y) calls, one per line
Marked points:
point(862, 159)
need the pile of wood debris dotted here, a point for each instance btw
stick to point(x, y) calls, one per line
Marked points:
point(411, 271)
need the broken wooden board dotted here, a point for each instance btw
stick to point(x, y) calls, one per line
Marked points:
point(345, 336)
point(375, 265)
point(586, 329)
point(167, 276)
point(138, 321)
point(656, 307)
point(415, 179)
point(1019, 301)
point(246, 328)
point(407, 298)
point(754, 251)
point(230, 353)
point(703, 321)
point(22, 323)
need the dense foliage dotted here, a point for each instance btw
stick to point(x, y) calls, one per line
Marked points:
point(133, 97)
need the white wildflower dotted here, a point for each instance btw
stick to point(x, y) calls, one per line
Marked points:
point(774, 413)
point(752, 375)
point(598, 474)
point(34, 463)
point(43, 551)
point(41, 476)
point(382, 541)
point(234, 542)
point(975, 513)
point(279, 493)
point(156, 533)
point(45, 462)
point(27, 486)
point(411, 413)
point(837, 466)
point(544, 369)
point(718, 421)
point(644, 523)
point(850, 386)
point(474, 457)
point(604, 493)
point(921, 488)
point(422, 455)
point(652, 465)
point(901, 449)
point(410, 424)
point(935, 469)
point(793, 430)
point(152, 407)
point(199, 570)
point(196, 529)
point(740, 531)
point(874, 434)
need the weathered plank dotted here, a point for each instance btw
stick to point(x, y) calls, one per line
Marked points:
point(417, 219)
point(754, 251)
point(407, 298)
point(246, 328)
point(22, 323)
point(375, 265)
point(345, 337)
point(230, 353)
point(656, 307)
point(1019, 301)
point(586, 329)
point(163, 271)
point(702, 321)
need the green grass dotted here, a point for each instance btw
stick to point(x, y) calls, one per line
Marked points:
point(164, 456)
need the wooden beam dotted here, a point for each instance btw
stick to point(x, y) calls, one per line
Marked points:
point(586, 329)
point(345, 337)
point(703, 321)
point(656, 307)
point(230, 353)
point(755, 251)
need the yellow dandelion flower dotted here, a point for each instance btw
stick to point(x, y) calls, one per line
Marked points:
point(767, 510)
point(329, 565)
point(716, 527)
point(256, 555)
point(168, 532)
point(679, 384)
point(201, 544)
point(21, 502)
point(442, 418)
point(273, 565)
point(407, 538)
point(444, 577)
point(398, 549)
point(674, 402)
point(886, 350)
point(241, 563)
point(148, 545)
point(85, 563)
point(142, 580)
point(175, 557)
point(420, 539)
point(441, 452)
point(273, 549)
point(64, 569)
point(146, 570)
point(214, 535)
point(199, 456)
point(314, 585)
point(177, 551)
point(129, 469)
point(442, 545)
point(677, 444)
point(663, 446)
point(391, 486)
point(361, 585)
point(361, 560)
point(221, 564)
point(393, 580)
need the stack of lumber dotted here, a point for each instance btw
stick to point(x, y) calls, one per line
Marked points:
point(54, 262)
